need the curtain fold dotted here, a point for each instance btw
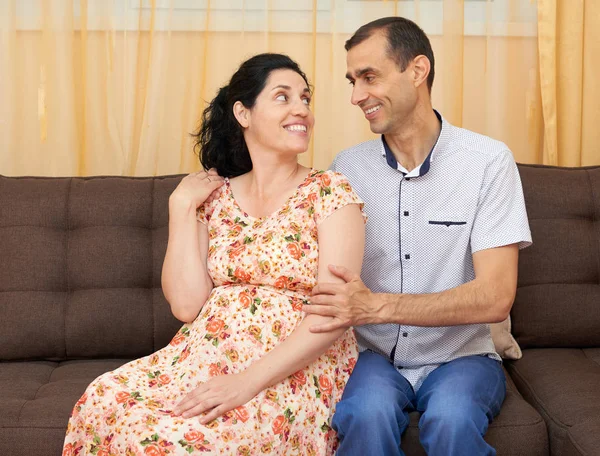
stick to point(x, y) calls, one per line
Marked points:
point(569, 37)
point(116, 87)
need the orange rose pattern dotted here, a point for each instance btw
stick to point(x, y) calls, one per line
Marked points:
point(263, 270)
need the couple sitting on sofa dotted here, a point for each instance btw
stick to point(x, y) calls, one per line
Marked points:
point(267, 360)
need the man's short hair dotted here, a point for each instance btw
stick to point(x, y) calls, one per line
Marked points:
point(406, 40)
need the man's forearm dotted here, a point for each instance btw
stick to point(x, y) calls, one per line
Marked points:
point(473, 302)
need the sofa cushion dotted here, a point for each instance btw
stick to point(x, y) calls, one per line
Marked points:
point(82, 260)
point(582, 439)
point(564, 386)
point(504, 342)
point(517, 431)
point(37, 399)
point(558, 295)
point(43, 393)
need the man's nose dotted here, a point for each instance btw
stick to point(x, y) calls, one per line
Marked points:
point(358, 95)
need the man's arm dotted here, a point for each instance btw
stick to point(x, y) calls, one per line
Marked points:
point(486, 299)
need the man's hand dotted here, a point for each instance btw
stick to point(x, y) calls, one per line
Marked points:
point(217, 396)
point(350, 304)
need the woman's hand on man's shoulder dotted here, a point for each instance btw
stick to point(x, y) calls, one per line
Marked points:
point(197, 188)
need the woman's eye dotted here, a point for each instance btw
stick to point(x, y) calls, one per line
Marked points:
point(281, 97)
point(306, 101)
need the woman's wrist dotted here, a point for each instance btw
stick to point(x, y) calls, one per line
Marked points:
point(181, 203)
point(255, 379)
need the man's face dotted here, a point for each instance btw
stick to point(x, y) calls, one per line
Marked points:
point(386, 95)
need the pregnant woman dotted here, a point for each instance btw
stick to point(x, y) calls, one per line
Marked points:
point(248, 240)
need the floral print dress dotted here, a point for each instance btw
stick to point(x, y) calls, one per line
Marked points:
point(263, 270)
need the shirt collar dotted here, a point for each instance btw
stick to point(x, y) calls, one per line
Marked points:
point(423, 168)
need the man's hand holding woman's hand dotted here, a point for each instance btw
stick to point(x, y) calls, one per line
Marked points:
point(198, 188)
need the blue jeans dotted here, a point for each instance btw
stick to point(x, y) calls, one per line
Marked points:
point(457, 402)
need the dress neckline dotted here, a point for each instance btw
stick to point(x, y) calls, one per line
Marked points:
point(302, 184)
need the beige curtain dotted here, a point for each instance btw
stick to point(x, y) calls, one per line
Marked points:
point(92, 87)
point(569, 49)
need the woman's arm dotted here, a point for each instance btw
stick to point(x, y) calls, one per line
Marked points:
point(341, 241)
point(185, 280)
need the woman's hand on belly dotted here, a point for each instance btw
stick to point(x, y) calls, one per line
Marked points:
point(217, 396)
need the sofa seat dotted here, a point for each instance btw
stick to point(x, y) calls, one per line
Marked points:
point(517, 431)
point(562, 384)
point(582, 439)
point(37, 399)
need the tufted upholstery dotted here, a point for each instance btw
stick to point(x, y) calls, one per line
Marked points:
point(556, 314)
point(558, 297)
point(80, 266)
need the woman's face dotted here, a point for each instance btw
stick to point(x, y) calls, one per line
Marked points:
point(281, 121)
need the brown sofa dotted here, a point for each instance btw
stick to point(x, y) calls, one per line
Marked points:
point(80, 295)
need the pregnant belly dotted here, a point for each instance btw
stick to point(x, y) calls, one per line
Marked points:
point(255, 317)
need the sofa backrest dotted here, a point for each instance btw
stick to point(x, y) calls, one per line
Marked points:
point(81, 259)
point(558, 295)
point(80, 267)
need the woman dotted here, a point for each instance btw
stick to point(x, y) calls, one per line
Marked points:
point(244, 375)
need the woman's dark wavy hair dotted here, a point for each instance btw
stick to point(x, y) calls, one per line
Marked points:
point(220, 140)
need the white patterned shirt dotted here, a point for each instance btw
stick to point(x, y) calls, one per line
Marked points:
point(423, 228)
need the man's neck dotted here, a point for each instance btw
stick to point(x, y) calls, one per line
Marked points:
point(414, 140)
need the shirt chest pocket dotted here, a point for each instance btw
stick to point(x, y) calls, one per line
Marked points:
point(444, 221)
point(447, 231)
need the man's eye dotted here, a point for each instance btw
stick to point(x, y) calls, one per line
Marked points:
point(369, 78)
point(351, 83)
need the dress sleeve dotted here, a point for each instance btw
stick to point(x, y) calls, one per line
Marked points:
point(332, 192)
point(205, 211)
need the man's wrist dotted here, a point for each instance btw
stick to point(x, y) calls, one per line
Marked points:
point(388, 305)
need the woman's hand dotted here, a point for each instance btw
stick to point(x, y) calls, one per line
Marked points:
point(198, 188)
point(217, 396)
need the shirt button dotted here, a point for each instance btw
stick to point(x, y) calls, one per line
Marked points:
point(405, 213)
point(407, 256)
point(404, 334)
point(408, 178)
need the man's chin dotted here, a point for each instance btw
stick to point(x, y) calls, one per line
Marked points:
point(377, 128)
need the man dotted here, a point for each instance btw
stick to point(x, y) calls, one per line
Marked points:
point(446, 221)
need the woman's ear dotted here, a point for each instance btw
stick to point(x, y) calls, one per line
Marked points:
point(241, 114)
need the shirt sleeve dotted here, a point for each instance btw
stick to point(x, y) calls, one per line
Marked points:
point(333, 192)
point(333, 165)
point(501, 217)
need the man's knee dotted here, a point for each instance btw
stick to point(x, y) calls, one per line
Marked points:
point(459, 419)
point(369, 423)
point(371, 410)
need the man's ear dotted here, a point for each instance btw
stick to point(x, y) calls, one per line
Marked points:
point(241, 114)
point(421, 68)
